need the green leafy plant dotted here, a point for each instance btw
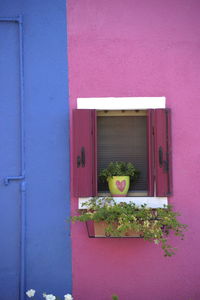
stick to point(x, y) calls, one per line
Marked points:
point(154, 225)
point(115, 297)
point(119, 168)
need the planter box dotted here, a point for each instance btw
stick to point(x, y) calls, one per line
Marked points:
point(97, 230)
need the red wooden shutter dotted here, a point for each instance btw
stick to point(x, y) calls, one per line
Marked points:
point(162, 152)
point(84, 153)
point(150, 152)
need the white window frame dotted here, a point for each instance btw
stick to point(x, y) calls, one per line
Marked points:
point(126, 103)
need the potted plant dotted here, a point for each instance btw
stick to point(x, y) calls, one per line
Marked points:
point(154, 225)
point(118, 175)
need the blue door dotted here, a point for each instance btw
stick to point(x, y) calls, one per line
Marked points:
point(10, 196)
point(35, 243)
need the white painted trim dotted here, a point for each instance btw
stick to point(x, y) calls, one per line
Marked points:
point(153, 202)
point(121, 103)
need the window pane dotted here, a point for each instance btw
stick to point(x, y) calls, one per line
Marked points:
point(123, 139)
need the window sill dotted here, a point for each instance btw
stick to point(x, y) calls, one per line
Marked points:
point(152, 202)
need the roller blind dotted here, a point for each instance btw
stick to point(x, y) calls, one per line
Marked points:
point(123, 139)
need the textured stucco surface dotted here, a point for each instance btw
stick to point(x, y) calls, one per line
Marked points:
point(141, 48)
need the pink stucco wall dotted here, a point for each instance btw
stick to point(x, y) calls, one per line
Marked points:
point(141, 48)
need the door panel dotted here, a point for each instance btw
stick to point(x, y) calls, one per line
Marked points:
point(9, 161)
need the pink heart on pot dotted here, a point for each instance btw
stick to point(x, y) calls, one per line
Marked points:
point(121, 185)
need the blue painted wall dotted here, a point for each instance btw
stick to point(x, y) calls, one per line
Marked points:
point(48, 246)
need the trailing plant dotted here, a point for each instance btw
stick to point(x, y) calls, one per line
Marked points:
point(119, 168)
point(154, 225)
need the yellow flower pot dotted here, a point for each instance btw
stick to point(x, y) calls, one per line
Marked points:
point(119, 185)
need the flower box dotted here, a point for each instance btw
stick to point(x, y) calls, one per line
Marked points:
point(106, 218)
point(98, 230)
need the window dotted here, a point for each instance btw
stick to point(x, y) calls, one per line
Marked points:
point(122, 136)
point(150, 130)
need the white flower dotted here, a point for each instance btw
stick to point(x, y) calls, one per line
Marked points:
point(156, 242)
point(44, 295)
point(68, 297)
point(30, 293)
point(146, 223)
point(50, 297)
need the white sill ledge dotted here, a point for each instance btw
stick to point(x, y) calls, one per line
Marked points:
point(118, 103)
point(152, 202)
